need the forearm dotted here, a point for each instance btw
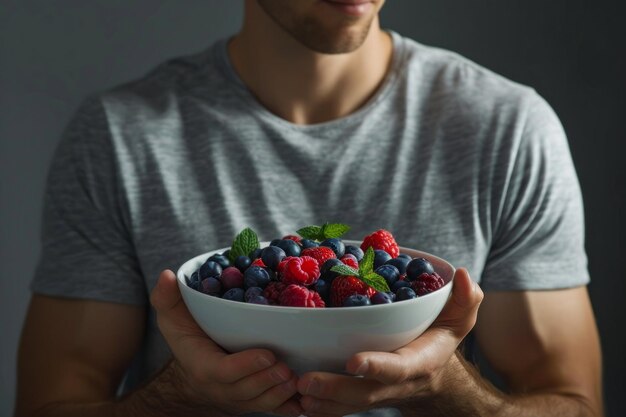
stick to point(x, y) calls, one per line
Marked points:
point(473, 396)
point(158, 398)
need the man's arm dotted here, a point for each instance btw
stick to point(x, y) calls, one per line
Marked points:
point(73, 355)
point(545, 344)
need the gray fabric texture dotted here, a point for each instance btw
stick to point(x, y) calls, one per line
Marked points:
point(453, 159)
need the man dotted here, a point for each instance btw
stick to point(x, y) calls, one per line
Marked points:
point(311, 113)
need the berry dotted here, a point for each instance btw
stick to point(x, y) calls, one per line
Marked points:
point(336, 245)
point(234, 294)
point(252, 292)
point(356, 251)
point(221, 259)
point(210, 286)
point(231, 278)
point(400, 263)
point(281, 266)
point(417, 267)
point(399, 284)
point(427, 283)
point(307, 243)
point(258, 299)
point(321, 254)
point(209, 269)
point(273, 290)
point(357, 300)
point(350, 260)
point(298, 296)
point(290, 247)
point(275, 242)
point(255, 254)
point(322, 288)
point(383, 240)
point(255, 276)
point(327, 274)
point(272, 255)
point(380, 257)
point(404, 256)
point(389, 272)
point(405, 293)
point(381, 298)
point(345, 286)
point(296, 239)
point(301, 270)
point(195, 277)
point(242, 263)
point(258, 262)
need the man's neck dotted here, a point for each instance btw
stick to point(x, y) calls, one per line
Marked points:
point(299, 84)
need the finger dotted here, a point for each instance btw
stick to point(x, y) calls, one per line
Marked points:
point(256, 384)
point(277, 399)
point(317, 407)
point(430, 351)
point(345, 389)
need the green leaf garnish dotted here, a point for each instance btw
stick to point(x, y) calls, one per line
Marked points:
point(375, 281)
point(334, 230)
point(345, 270)
point(310, 232)
point(327, 231)
point(245, 242)
point(365, 273)
point(366, 265)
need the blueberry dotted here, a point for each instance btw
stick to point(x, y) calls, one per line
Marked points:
point(380, 257)
point(231, 278)
point(272, 255)
point(336, 245)
point(255, 276)
point(193, 278)
point(195, 285)
point(382, 298)
point(328, 275)
point(226, 253)
point(259, 299)
point(417, 267)
point(242, 263)
point(290, 247)
point(221, 259)
point(356, 251)
point(211, 286)
point(399, 263)
point(405, 256)
point(255, 254)
point(307, 243)
point(251, 292)
point(323, 288)
point(356, 300)
point(210, 269)
point(389, 272)
point(399, 284)
point(405, 293)
point(275, 242)
point(234, 294)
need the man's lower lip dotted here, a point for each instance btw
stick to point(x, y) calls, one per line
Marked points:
point(351, 9)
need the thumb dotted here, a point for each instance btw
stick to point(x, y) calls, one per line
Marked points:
point(180, 330)
point(460, 312)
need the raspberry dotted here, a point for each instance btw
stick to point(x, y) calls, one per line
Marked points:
point(383, 240)
point(303, 270)
point(298, 296)
point(427, 283)
point(296, 239)
point(345, 286)
point(321, 254)
point(273, 290)
point(281, 264)
point(350, 260)
point(258, 262)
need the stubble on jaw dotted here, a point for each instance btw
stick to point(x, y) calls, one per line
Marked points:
point(313, 33)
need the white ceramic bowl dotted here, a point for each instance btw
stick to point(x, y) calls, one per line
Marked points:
point(315, 339)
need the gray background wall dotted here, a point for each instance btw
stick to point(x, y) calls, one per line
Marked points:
point(53, 53)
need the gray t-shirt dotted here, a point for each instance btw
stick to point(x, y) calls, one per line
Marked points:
point(450, 157)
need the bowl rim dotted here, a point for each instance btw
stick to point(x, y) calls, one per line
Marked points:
point(180, 277)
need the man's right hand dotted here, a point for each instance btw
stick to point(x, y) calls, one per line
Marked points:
point(202, 377)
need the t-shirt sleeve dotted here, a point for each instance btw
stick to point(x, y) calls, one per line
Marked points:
point(86, 244)
point(539, 239)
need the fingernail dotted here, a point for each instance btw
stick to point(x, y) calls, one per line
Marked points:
point(313, 388)
point(289, 387)
point(362, 369)
point(263, 362)
point(279, 376)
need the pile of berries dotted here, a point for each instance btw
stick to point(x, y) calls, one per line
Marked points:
point(322, 272)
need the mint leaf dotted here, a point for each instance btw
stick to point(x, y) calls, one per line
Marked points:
point(366, 266)
point(245, 242)
point(310, 232)
point(345, 270)
point(334, 230)
point(375, 281)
